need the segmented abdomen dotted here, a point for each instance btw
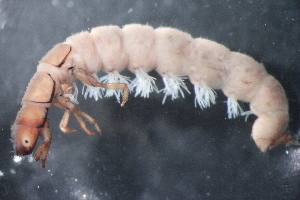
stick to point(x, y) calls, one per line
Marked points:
point(175, 55)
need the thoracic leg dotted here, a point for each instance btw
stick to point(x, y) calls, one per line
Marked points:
point(79, 113)
point(43, 149)
point(65, 120)
point(64, 123)
point(89, 80)
point(66, 104)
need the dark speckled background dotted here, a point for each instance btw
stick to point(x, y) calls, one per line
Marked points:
point(149, 150)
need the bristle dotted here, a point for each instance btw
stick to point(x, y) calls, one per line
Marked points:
point(115, 77)
point(143, 84)
point(73, 97)
point(233, 108)
point(173, 85)
point(247, 113)
point(91, 91)
point(75, 94)
point(204, 96)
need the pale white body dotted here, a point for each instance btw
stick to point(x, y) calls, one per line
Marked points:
point(176, 55)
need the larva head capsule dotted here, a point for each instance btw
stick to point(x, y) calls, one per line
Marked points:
point(25, 139)
point(26, 129)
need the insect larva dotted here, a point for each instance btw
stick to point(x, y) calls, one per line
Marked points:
point(140, 48)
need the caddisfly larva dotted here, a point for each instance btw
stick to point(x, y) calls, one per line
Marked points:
point(140, 48)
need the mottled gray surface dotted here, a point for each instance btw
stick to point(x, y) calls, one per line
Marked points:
point(148, 150)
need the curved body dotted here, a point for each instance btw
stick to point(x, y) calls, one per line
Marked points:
point(141, 49)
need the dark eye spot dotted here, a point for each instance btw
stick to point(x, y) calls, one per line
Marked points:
point(26, 141)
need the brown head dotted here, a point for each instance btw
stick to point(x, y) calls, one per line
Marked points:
point(24, 138)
